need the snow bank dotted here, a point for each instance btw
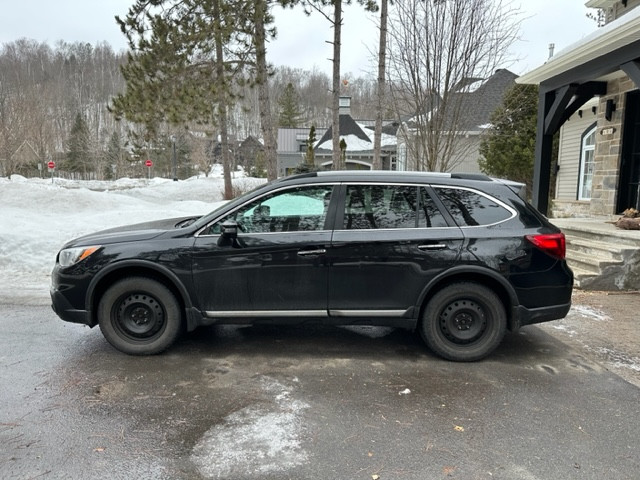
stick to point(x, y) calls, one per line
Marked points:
point(37, 217)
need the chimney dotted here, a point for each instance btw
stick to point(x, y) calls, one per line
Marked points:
point(344, 106)
point(552, 47)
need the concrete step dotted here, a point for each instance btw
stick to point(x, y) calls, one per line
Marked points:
point(602, 256)
point(601, 251)
point(589, 262)
point(613, 237)
point(581, 276)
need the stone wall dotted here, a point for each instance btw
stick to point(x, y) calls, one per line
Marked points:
point(608, 148)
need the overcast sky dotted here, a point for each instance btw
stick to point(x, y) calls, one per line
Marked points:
point(301, 41)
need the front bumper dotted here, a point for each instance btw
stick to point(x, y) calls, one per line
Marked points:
point(65, 310)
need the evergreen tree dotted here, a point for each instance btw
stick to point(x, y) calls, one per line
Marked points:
point(185, 57)
point(309, 164)
point(78, 146)
point(509, 148)
point(310, 157)
point(289, 104)
point(113, 157)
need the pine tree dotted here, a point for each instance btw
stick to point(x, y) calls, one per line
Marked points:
point(113, 156)
point(508, 150)
point(78, 146)
point(289, 103)
point(185, 57)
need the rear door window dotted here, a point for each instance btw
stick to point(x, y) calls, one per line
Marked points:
point(390, 207)
point(469, 208)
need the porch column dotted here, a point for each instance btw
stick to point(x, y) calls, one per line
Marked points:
point(542, 159)
point(551, 108)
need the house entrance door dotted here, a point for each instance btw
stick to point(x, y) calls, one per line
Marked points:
point(629, 181)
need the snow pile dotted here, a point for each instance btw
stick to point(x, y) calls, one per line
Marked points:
point(258, 441)
point(37, 217)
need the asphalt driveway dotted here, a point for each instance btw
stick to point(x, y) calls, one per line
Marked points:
point(307, 403)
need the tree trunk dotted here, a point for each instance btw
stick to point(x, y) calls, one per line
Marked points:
point(222, 105)
point(335, 101)
point(382, 60)
point(266, 119)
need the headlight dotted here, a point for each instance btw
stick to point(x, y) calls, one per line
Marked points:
point(71, 256)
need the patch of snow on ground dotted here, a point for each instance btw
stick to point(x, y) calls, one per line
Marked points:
point(618, 359)
point(589, 312)
point(564, 328)
point(259, 440)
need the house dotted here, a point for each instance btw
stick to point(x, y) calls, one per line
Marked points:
point(250, 153)
point(26, 161)
point(292, 146)
point(590, 93)
point(590, 89)
point(471, 103)
point(358, 135)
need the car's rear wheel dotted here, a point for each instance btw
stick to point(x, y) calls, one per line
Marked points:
point(463, 322)
point(139, 316)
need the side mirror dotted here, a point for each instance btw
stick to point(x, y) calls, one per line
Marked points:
point(229, 233)
point(230, 228)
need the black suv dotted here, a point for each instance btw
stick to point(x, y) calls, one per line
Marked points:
point(460, 257)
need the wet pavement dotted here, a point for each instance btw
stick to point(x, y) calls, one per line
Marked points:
point(308, 402)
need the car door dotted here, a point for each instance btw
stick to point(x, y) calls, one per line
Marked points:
point(276, 266)
point(389, 241)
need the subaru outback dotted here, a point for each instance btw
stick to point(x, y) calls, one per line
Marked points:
point(461, 258)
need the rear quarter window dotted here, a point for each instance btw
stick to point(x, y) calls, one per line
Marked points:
point(471, 209)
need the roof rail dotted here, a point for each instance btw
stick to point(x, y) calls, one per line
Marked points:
point(471, 176)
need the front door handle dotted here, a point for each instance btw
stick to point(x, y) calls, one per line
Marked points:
point(311, 253)
point(432, 246)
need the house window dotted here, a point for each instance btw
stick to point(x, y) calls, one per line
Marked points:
point(587, 164)
point(401, 161)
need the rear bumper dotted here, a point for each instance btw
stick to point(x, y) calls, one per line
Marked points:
point(65, 310)
point(523, 316)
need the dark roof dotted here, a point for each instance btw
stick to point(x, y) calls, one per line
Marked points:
point(389, 129)
point(478, 104)
point(348, 126)
point(482, 102)
point(251, 141)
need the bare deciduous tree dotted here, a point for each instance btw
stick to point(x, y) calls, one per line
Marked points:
point(438, 48)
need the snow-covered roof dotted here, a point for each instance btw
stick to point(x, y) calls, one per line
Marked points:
point(360, 140)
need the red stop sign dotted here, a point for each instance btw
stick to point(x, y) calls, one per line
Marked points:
point(51, 165)
point(148, 163)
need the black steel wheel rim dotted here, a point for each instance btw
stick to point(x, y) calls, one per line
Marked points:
point(463, 321)
point(139, 316)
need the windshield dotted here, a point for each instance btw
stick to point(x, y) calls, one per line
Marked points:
point(202, 221)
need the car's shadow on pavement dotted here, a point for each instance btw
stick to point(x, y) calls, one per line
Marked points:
point(357, 342)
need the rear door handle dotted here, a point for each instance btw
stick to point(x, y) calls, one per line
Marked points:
point(432, 246)
point(310, 253)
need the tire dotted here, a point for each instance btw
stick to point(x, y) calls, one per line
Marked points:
point(463, 322)
point(139, 316)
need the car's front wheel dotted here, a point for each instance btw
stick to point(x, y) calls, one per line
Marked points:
point(139, 316)
point(463, 322)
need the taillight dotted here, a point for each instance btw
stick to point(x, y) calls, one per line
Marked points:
point(551, 243)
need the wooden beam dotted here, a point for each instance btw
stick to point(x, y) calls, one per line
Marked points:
point(632, 69)
point(584, 93)
point(553, 118)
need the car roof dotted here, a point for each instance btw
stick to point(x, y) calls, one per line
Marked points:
point(386, 176)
